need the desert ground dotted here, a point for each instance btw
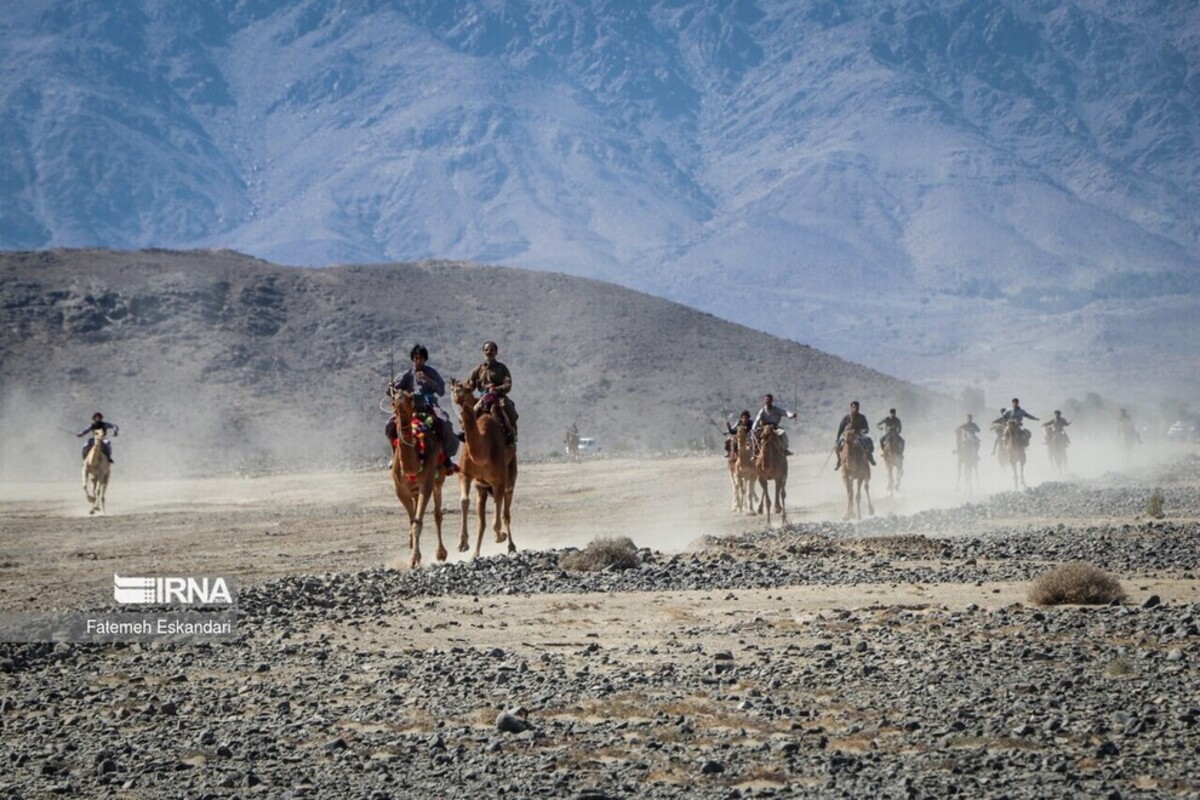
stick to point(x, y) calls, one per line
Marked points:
point(899, 655)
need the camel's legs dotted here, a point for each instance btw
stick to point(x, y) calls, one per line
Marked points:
point(422, 503)
point(498, 494)
point(866, 487)
point(437, 521)
point(481, 496)
point(508, 495)
point(464, 502)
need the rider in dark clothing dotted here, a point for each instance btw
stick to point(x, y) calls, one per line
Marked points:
point(98, 424)
point(891, 427)
point(424, 381)
point(858, 423)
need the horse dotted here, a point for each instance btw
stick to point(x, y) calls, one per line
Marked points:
point(742, 473)
point(1056, 443)
point(489, 461)
point(416, 469)
point(893, 459)
point(771, 465)
point(96, 471)
point(856, 475)
point(967, 449)
point(1012, 451)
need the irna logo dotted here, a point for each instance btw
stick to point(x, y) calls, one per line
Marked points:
point(204, 591)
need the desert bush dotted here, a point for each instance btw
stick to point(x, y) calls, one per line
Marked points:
point(1077, 583)
point(1154, 504)
point(601, 554)
point(1119, 667)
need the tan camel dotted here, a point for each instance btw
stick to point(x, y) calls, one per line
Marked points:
point(893, 459)
point(1012, 451)
point(967, 451)
point(742, 473)
point(96, 472)
point(491, 463)
point(856, 475)
point(572, 442)
point(417, 470)
point(771, 465)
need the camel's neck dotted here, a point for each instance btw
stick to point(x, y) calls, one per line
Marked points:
point(475, 432)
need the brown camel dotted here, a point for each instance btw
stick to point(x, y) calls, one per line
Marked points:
point(856, 475)
point(742, 473)
point(771, 465)
point(1012, 451)
point(488, 461)
point(893, 459)
point(967, 451)
point(96, 471)
point(417, 470)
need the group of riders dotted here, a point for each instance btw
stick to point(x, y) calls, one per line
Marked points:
point(423, 382)
point(771, 414)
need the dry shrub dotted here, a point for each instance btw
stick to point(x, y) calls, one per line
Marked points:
point(602, 554)
point(1077, 583)
point(1155, 503)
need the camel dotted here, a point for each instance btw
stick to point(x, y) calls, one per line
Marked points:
point(742, 473)
point(491, 463)
point(572, 442)
point(417, 470)
point(967, 450)
point(856, 475)
point(771, 465)
point(893, 459)
point(1012, 451)
point(1129, 436)
point(1056, 443)
point(96, 471)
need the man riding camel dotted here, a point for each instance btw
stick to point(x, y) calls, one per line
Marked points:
point(969, 428)
point(856, 422)
point(1057, 426)
point(495, 381)
point(424, 382)
point(891, 428)
point(771, 414)
point(98, 424)
point(731, 431)
point(1015, 413)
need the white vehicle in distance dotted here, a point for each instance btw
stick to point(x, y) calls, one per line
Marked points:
point(586, 444)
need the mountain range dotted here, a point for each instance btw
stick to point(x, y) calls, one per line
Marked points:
point(960, 192)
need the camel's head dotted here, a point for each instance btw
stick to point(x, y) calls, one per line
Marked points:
point(98, 434)
point(402, 403)
point(461, 394)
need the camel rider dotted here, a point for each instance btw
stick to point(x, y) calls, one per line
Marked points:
point(771, 414)
point(892, 426)
point(423, 381)
point(1127, 428)
point(98, 424)
point(998, 429)
point(495, 381)
point(1056, 427)
point(731, 432)
point(855, 422)
point(968, 428)
point(1020, 415)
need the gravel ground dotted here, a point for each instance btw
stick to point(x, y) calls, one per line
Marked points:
point(697, 674)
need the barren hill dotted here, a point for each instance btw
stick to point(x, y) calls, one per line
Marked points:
point(207, 359)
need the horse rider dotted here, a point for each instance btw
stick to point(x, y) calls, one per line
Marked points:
point(857, 422)
point(98, 424)
point(1020, 415)
point(1056, 427)
point(731, 431)
point(892, 426)
point(771, 414)
point(969, 428)
point(424, 382)
point(495, 381)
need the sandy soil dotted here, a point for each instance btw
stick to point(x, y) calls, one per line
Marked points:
point(53, 555)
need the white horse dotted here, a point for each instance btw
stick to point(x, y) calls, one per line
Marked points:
point(96, 469)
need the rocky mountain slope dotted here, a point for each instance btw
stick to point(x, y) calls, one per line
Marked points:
point(212, 359)
point(902, 183)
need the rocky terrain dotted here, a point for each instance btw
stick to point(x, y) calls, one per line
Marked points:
point(898, 657)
